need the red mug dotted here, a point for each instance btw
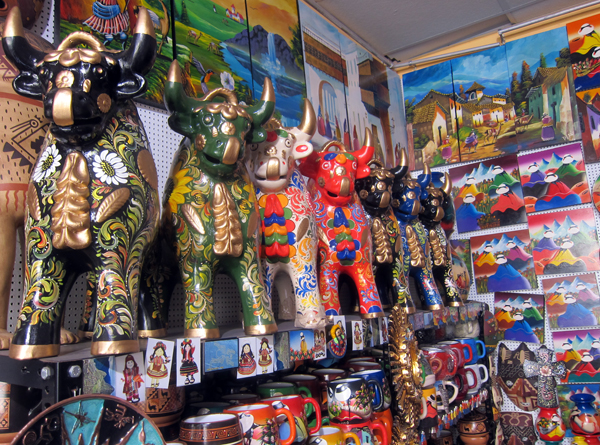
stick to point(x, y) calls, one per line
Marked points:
point(442, 362)
point(461, 379)
point(464, 352)
point(371, 427)
point(259, 422)
point(298, 405)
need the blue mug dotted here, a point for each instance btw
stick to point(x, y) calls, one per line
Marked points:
point(477, 346)
point(382, 396)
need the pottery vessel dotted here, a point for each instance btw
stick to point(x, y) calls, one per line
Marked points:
point(475, 439)
point(584, 418)
point(473, 424)
point(212, 429)
point(298, 406)
point(259, 423)
point(332, 435)
point(349, 400)
point(550, 426)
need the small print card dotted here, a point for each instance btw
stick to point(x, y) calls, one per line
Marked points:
point(383, 331)
point(188, 361)
point(220, 354)
point(130, 377)
point(159, 355)
point(336, 344)
point(282, 350)
point(302, 344)
point(375, 337)
point(247, 357)
point(320, 344)
point(367, 333)
point(357, 336)
point(266, 355)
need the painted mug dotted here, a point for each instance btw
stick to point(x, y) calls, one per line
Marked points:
point(382, 397)
point(259, 423)
point(477, 377)
point(245, 398)
point(355, 366)
point(387, 419)
point(212, 429)
point(461, 380)
point(477, 347)
point(298, 407)
point(463, 351)
point(274, 389)
point(442, 362)
point(365, 431)
point(429, 409)
point(311, 382)
point(332, 435)
point(327, 375)
point(349, 399)
point(451, 392)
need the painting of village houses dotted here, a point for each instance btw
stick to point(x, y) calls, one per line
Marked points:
point(542, 89)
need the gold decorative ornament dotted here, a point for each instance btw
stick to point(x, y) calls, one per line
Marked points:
point(253, 224)
point(112, 203)
point(383, 248)
point(303, 228)
point(192, 217)
point(33, 203)
point(417, 256)
point(215, 132)
point(227, 128)
point(65, 79)
point(439, 256)
point(200, 142)
point(272, 169)
point(62, 112)
point(104, 102)
point(228, 230)
point(87, 85)
point(147, 168)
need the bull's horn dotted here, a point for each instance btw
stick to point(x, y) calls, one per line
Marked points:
point(447, 185)
point(368, 139)
point(425, 178)
point(16, 46)
point(177, 102)
point(140, 55)
point(263, 110)
point(402, 168)
point(364, 156)
point(308, 126)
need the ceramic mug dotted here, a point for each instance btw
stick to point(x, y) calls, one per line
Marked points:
point(477, 347)
point(387, 419)
point(451, 391)
point(209, 407)
point(349, 399)
point(241, 398)
point(429, 413)
point(211, 429)
point(444, 438)
point(382, 398)
point(365, 431)
point(327, 375)
point(442, 362)
point(478, 376)
point(461, 380)
point(274, 389)
point(298, 407)
point(332, 435)
point(359, 365)
point(310, 382)
point(259, 423)
point(463, 351)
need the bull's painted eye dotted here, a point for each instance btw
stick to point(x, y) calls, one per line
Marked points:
point(253, 147)
point(99, 70)
point(411, 195)
point(354, 165)
point(326, 166)
point(288, 143)
point(340, 171)
point(43, 72)
point(435, 202)
point(208, 119)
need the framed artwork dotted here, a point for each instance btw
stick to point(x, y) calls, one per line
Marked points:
point(554, 178)
point(541, 87)
point(220, 354)
point(583, 44)
point(113, 24)
point(503, 262)
point(302, 345)
point(488, 194)
point(520, 317)
point(564, 242)
point(572, 302)
point(357, 336)
point(588, 106)
point(488, 112)
point(580, 350)
point(100, 375)
point(282, 350)
point(320, 344)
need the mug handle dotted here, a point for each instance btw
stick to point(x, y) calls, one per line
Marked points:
point(485, 371)
point(479, 342)
point(474, 376)
point(383, 437)
point(313, 402)
point(351, 435)
point(455, 367)
point(290, 417)
point(455, 395)
point(436, 364)
point(304, 393)
point(465, 347)
point(378, 393)
point(386, 422)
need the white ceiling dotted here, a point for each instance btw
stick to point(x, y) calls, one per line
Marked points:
point(404, 29)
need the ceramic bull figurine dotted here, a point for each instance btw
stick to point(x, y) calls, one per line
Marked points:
point(289, 232)
point(441, 255)
point(92, 202)
point(211, 203)
point(375, 192)
point(344, 233)
point(407, 194)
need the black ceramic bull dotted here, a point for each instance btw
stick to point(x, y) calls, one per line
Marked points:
point(92, 202)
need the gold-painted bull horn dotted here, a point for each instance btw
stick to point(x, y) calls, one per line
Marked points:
point(425, 177)
point(140, 56)
point(262, 112)
point(308, 126)
point(447, 185)
point(402, 168)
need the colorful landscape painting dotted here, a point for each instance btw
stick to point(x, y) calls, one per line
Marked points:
point(572, 302)
point(431, 122)
point(113, 23)
point(520, 317)
point(461, 265)
point(488, 194)
point(588, 106)
point(541, 87)
point(580, 351)
point(554, 178)
point(396, 114)
point(503, 262)
point(584, 42)
point(485, 111)
point(564, 242)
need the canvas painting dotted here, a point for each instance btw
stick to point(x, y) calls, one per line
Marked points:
point(266, 355)
point(584, 42)
point(461, 265)
point(588, 106)
point(572, 302)
point(554, 178)
point(276, 49)
point(188, 361)
point(212, 47)
point(367, 333)
point(113, 24)
point(302, 345)
point(397, 119)
point(247, 357)
point(566, 405)
point(324, 71)
point(580, 351)
point(564, 242)
point(433, 113)
point(220, 354)
point(503, 262)
point(488, 194)
point(159, 358)
point(520, 316)
point(541, 86)
point(130, 374)
point(487, 111)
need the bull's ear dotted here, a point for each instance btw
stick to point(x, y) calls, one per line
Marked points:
point(28, 84)
point(131, 85)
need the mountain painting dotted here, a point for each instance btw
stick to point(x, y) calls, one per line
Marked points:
point(580, 351)
point(588, 106)
point(520, 317)
point(503, 262)
point(113, 24)
point(485, 109)
point(564, 242)
point(431, 116)
point(541, 87)
point(584, 42)
point(488, 194)
point(567, 405)
point(462, 269)
point(572, 302)
point(554, 178)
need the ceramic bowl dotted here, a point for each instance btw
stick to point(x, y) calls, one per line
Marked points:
point(473, 424)
point(475, 439)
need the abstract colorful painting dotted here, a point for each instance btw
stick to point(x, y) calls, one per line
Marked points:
point(554, 178)
point(461, 265)
point(520, 316)
point(572, 302)
point(113, 23)
point(584, 42)
point(487, 112)
point(541, 87)
point(488, 194)
point(564, 242)
point(503, 262)
point(566, 405)
point(588, 106)
point(580, 350)
point(431, 109)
